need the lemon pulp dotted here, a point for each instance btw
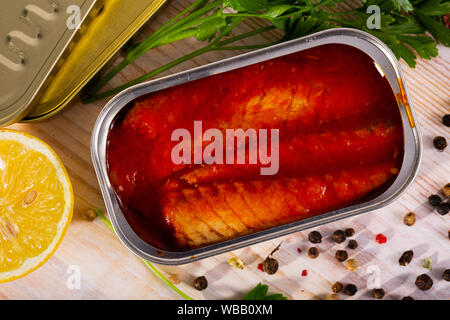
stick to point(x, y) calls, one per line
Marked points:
point(36, 203)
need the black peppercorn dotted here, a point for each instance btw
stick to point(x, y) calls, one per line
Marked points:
point(440, 143)
point(434, 200)
point(313, 252)
point(200, 283)
point(352, 244)
point(446, 275)
point(315, 237)
point(407, 298)
point(378, 293)
point(339, 236)
point(443, 208)
point(270, 265)
point(446, 120)
point(349, 232)
point(337, 287)
point(350, 289)
point(341, 255)
point(406, 258)
point(424, 282)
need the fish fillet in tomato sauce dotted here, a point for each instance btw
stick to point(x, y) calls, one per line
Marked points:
point(340, 143)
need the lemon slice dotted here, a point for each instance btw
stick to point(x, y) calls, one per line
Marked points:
point(36, 203)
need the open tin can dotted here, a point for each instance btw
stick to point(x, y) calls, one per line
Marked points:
point(385, 62)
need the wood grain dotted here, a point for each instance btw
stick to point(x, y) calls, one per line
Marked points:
point(110, 271)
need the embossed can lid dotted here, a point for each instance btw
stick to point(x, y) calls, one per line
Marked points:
point(34, 35)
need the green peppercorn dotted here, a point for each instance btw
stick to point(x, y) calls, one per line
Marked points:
point(410, 219)
point(446, 190)
point(337, 287)
point(200, 283)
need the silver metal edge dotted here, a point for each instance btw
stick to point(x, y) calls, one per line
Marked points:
point(353, 37)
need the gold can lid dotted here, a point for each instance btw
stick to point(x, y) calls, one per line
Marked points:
point(113, 27)
point(34, 35)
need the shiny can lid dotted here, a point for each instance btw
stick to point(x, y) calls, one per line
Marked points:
point(35, 33)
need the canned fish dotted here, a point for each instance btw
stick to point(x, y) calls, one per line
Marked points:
point(342, 141)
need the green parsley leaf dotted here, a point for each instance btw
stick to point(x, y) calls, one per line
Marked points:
point(260, 293)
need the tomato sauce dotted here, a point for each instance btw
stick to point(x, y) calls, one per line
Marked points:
point(340, 142)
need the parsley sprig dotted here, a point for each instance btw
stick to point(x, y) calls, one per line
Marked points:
point(409, 27)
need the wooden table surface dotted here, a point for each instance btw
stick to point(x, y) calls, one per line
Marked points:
point(110, 271)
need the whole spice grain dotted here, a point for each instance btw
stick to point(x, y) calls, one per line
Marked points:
point(407, 298)
point(446, 275)
point(443, 208)
point(440, 143)
point(89, 214)
point(315, 237)
point(380, 238)
point(339, 236)
point(351, 264)
point(236, 262)
point(406, 258)
point(427, 263)
point(446, 120)
point(434, 200)
point(341, 255)
point(446, 190)
point(352, 244)
point(174, 278)
point(313, 252)
point(378, 293)
point(200, 283)
point(350, 289)
point(410, 219)
point(270, 265)
point(424, 282)
point(337, 287)
point(349, 232)
point(333, 296)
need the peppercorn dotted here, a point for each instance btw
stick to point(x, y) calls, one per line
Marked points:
point(315, 237)
point(443, 208)
point(313, 252)
point(174, 278)
point(446, 275)
point(424, 282)
point(410, 219)
point(333, 296)
point(352, 244)
point(341, 255)
point(446, 120)
point(407, 298)
point(200, 283)
point(434, 200)
point(378, 293)
point(440, 143)
point(349, 232)
point(90, 214)
point(337, 287)
point(350, 289)
point(339, 236)
point(446, 190)
point(406, 258)
point(270, 265)
point(351, 264)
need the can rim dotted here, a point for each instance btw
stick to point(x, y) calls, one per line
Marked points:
point(379, 52)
